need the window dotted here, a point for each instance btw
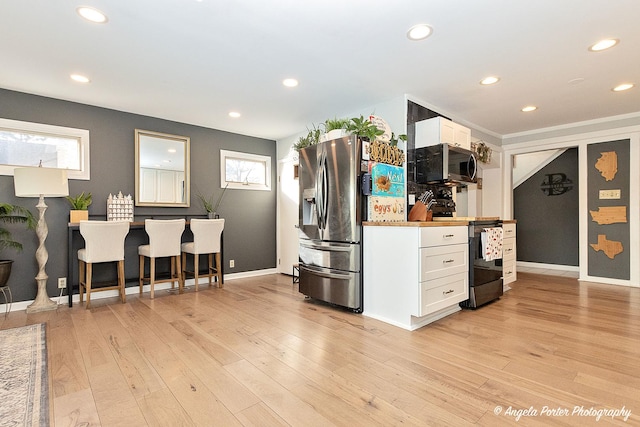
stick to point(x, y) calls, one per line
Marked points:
point(245, 171)
point(28, 144)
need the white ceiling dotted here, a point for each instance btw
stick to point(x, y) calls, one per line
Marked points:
point(194, 61)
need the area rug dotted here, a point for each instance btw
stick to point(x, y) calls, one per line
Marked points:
point(24, 385)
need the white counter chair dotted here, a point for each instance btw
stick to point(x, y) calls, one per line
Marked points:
point(164, 241)
point(206, 240)
point(104, 242)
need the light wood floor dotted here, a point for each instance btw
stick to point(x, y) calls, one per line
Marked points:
point(257, 354)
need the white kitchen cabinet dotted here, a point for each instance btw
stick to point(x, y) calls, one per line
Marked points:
point(439, 130)
point(414, 275)
point(509, 273)
point(161, 186)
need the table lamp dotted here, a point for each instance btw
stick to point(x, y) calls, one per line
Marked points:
point(41, 182)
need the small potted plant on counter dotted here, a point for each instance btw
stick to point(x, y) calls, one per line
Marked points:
point(79, 207)
point(11, 214)
point(207, 203)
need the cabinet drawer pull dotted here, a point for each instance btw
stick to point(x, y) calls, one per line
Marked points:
point(447, 261)
point(508, 250)
point(447, 236)
point(509, 272)
point(447, 292)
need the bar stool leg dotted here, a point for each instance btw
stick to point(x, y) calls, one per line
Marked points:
point(141, 263)
point(152, 274)
point(196, 267)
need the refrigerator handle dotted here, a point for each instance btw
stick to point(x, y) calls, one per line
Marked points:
point(324, 273)
point(327, 248)
point(325, 189)
point(472, 160)
point(319, 193)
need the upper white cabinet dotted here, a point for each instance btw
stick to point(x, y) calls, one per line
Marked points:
point(161, 186)
point(439, 130)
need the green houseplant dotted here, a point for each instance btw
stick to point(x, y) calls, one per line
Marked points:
point(362, 127)
point(207, 203)
point(79, 207)
point(12, 214)
point(311, 138)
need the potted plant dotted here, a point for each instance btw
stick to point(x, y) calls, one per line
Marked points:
point(335, 128)
point(207, 203)
point(79, 207)
point(394, 139)
point(362, 127)
point(12, 214)
point(311, 138)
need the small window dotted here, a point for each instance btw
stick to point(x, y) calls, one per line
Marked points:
point(28, 144)
point(245, 171)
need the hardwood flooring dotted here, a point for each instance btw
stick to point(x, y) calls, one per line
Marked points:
point(255, 353)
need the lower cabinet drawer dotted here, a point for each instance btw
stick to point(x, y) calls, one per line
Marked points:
point(443, 292)
point(509, 271)
point(509, 231)
point(443, 261)
point(446, 235)
point(509, 249)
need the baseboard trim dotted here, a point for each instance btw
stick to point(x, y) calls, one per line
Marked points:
point(547, 266)
point(63, 300)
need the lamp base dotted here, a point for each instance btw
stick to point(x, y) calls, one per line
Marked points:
point(42, 301)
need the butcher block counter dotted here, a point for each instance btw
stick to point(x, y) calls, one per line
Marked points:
point(416, 223)
point(414, 273)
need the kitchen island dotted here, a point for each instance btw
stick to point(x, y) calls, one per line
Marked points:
point(414, 273)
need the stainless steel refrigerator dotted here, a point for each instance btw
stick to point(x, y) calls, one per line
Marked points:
point(330, 214)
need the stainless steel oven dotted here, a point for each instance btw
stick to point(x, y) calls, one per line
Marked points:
point(485, 277)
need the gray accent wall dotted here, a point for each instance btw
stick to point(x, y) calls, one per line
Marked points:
point(599, 264)
point(250, 227)
point(547, 213)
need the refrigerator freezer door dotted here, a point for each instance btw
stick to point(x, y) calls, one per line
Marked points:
point(336, 256)
point(333, 286)
point(334, 212)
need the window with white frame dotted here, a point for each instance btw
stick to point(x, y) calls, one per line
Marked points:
point(29, 144)
point(245, 171)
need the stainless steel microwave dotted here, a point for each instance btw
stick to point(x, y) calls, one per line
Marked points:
point(444, 164)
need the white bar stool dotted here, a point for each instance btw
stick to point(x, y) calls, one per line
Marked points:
point(104, 242)
point(206, 240)
point(164, 241)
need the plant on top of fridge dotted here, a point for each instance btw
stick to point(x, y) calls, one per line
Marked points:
point(360, 126)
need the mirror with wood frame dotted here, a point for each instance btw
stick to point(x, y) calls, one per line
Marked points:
point(162, 169)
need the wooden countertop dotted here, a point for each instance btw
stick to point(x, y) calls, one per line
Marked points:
point(466, 218)
point(413, 223)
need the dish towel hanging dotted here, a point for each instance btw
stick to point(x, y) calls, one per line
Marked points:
point(491, 243)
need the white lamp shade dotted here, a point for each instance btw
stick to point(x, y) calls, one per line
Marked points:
point(34, 182)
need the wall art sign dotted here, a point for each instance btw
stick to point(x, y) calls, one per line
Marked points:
point(607, 164)
point(382, 152)
point(556, 184)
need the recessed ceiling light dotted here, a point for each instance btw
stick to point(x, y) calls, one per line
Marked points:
point(623, 87)
point(603, 44)
point(529, 108)
point(79, 78)
point(91, 14)
point(490, 80)
point(171, 150)
point(576, 81)
point(419, 32)
point(234, 114)
point(290, 82)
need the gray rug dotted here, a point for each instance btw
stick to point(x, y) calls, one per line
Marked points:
point(24, 383)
